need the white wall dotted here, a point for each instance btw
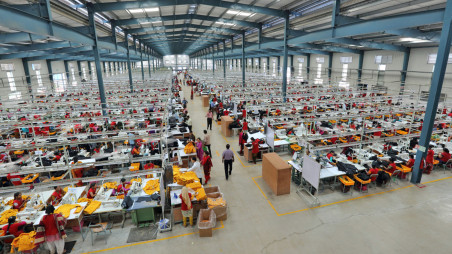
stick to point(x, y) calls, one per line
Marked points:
point(420, 74)
point(352, 76)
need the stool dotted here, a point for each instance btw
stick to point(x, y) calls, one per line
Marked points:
point(361, 182)
point(346, 182)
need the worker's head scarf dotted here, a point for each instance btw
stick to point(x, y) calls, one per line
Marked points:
point(186, 197)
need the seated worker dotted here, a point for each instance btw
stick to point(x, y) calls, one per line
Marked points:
point(391, 167)
point(57, 157)
point(410, 162)
point(57, 196)
point(175, 159)
point(444, 157)
point(18, 202)
point(135, 151)
point(373, 171)
point(92, 190)
point(330, 156)
point(430, 155)
point(14, 228)
point(121, 189)
point(333, 139)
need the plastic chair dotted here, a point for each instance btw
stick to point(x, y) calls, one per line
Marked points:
point(448, 164)
point(395, 175)
point(6, 242)
point(374, 182)
point(100, 228)
point(346, 182)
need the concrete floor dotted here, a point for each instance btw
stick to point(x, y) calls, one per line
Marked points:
point(397, 219)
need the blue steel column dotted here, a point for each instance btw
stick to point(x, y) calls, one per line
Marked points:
point(79, 67)
point(286, 49)
point(308, 65)
point(330, 65)
point(100, 80)
point(406, 59)
point(360, 65)
point(149, 64)
point(224, 59)
point(268, 66)
point(90, 71)
point(243, 58)
point(213, 61)
point(66, 69)
point(278, 62)
point(435, 91)
point(141, 58)
point(49, 69)
point(291, 65)
point(27, 76)
point(129, 67)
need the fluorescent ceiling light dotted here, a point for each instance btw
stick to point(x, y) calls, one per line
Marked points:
point(133, 11)
point(155, 9)
point(240, 13)
point(412, 40)
point(222, 23)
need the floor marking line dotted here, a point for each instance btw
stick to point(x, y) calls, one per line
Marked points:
point(265, 196)
point(218, 153)
point(341, 201)
point(151, 241)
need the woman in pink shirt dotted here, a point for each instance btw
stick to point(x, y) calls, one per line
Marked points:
point(209, 119)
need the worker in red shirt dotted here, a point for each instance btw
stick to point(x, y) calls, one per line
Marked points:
point(13, 228)
point(444, 157)
point(57, 196)
point(373, 171)
point(92, 191)
point(245, 125)
point(392, 166)
point(410, 162)
point(18, 202)
point(244, 113)
point(430, 155)
point(255, 150)
point(121, 189)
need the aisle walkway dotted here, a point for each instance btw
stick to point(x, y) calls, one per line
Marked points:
point(400, 219)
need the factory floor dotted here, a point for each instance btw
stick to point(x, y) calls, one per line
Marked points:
point(401, 218)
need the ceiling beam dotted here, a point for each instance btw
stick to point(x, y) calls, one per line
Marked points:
point(102, 7)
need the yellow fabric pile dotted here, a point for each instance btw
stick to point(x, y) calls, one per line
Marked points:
point(110, 185)
point(194, 186)
point(67, 188)
point(189, 148)
point(201, 194)
point(24, 242)
point(6, 214)
point(214, 202)
point(81, 200)
point(65, 210)
point(151, 187)
point(184, 178)
point(92, 207)
point(120, 197)
point(10, 202)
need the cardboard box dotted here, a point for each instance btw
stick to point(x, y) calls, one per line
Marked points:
point(211, 189)
point(225, 122)
point(205, 101)
point(220, 211)
point(276, 173)
point(206, 222)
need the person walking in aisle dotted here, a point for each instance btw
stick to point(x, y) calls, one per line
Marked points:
point(243, 138)
point(199, 150)
point(206, 141)
point(255, 150)
point(209, 119)
point(228, 159)
point(189, 123)
point(207, 166)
